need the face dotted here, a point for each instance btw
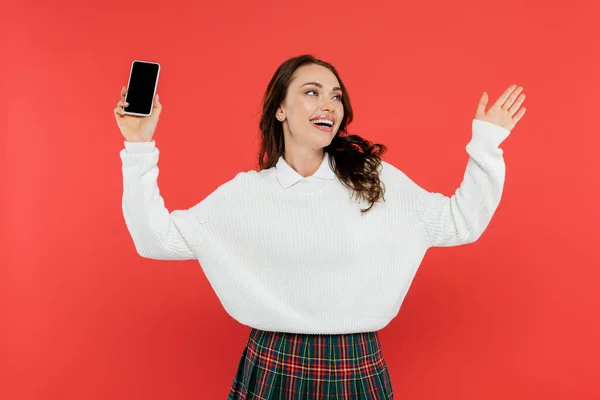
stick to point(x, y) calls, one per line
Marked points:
point(314, 94)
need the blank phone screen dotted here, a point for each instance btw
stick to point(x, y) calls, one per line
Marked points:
point(141, 88)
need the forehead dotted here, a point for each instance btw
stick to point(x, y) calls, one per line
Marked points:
point(314, 73)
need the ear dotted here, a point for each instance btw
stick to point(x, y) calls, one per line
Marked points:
point(280, 114)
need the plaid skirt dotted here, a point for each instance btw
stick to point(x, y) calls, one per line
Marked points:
point(285, 366)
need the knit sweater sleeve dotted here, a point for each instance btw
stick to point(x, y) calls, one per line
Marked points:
point(157, 233)
point(463, 217)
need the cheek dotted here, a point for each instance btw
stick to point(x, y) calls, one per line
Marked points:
point(306, 108)
point(303, 108)
point(340, 112)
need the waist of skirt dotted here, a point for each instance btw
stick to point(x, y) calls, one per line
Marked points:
point(343, 356)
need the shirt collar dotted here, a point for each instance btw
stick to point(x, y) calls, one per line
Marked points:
point(287, 176)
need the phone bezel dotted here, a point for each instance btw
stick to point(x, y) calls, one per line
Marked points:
point(155, 87)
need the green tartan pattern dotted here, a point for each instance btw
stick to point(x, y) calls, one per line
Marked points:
point(286, 366)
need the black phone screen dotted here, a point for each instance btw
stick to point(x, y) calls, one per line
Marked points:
point(142, 84)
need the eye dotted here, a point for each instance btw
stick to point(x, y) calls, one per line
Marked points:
point(339, 96)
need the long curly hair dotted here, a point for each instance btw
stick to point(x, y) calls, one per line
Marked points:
point(356, 161)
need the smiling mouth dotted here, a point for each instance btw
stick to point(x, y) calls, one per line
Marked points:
point(322, 126)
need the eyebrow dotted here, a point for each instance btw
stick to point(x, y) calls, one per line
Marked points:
point(321, 86)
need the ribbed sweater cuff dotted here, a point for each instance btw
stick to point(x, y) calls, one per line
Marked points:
point(140, 147)
point(487, 136)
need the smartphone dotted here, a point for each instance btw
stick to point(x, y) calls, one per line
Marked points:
point(141, 88)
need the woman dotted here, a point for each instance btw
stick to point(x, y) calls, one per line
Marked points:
point(287, 250)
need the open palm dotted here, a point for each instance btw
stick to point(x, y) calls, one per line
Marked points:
point(504, 111)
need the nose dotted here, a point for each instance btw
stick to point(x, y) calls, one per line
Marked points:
point(328, 105)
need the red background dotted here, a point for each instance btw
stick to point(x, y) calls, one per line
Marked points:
point(83, 316)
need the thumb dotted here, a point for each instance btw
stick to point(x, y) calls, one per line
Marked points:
point(481, 106)
point(157, 105)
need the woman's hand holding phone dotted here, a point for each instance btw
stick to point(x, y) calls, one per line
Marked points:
point(135, 128)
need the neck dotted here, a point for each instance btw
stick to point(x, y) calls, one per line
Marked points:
point(305, 164)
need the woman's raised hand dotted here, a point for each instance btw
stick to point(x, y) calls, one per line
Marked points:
point(135, 128)
point(506, 111)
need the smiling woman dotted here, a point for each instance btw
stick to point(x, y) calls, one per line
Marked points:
point(287, 253)
point(306, 113)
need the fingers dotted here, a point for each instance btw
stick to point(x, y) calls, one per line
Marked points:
point(502, 99)
point(119, 112)
point(519, 115)
point(512, 110)
point(120, 108)
point(512, 97)
point(121, 104)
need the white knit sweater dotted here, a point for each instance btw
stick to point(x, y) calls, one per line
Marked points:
point(292, 254)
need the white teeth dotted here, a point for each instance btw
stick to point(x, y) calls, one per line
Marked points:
point(324, 120)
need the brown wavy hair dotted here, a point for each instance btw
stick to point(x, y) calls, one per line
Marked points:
point(357, 160)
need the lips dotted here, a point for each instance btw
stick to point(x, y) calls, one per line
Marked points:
point(323, 127)
point(327, 117)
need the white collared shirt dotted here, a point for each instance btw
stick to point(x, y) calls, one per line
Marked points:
point(287, 176)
